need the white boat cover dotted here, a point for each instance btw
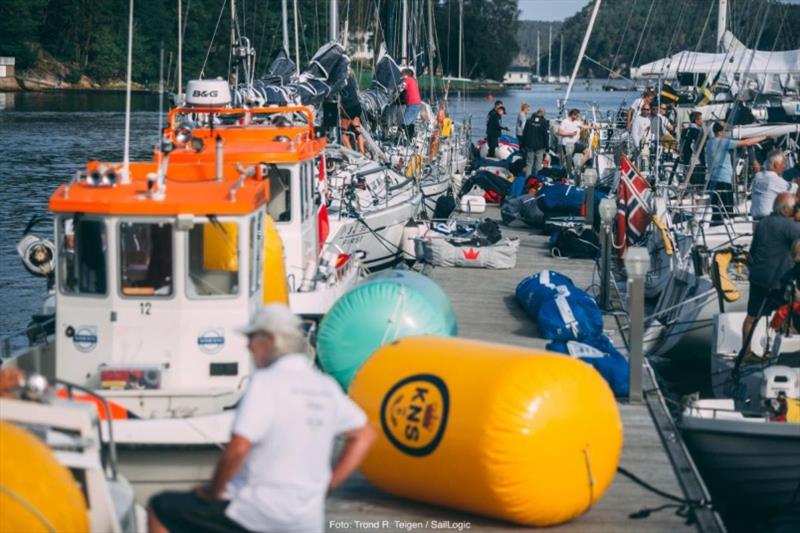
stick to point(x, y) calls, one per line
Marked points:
point(773, 68)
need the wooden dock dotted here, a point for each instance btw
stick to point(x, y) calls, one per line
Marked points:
point(486, 309)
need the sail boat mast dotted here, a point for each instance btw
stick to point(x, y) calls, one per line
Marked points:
point(561, 58)
point(180, 50)
point(460, 37)
point(582, 51)
point(538, 57)
point(430, 46)
point(285, 25)
point(333, 15)
point(404, 31)
point(296, 39)
point(549, 53)
point(722, 22)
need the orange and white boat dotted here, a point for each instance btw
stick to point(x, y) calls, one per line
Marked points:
point(158, 262)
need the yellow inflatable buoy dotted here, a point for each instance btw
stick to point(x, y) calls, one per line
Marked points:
point(276, 287)
point(36, 492)
point(521, 435)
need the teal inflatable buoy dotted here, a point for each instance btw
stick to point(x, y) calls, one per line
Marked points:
point(381, 309)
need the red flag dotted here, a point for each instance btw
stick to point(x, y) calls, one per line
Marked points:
point(633, 212)
point(323, 221)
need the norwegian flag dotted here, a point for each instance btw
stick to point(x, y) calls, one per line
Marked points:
point(633, 211)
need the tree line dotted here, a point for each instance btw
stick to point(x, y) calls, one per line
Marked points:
point(90, 36)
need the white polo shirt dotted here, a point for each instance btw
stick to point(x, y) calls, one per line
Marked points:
point(291, 413)
point(766, 186)
point(570, 126)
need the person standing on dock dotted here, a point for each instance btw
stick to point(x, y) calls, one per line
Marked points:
point(767, 185)
point(494, 126)
point(534, 140)
point(275, 472)
point(413, 101)
point(569, 131)
point(641, 129)
point(521, 119)
point(691, 138)
point(770, 261)
point(636, 107)
point(719, 170)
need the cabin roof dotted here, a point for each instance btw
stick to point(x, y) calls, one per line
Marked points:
point(190, 180)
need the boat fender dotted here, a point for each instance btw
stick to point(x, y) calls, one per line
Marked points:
point(37, 254)
point(39, 494)
point(411, 231)
point(725, 284)
point(527, 436)
point(669, 249)
point(274, 282)
point(381, 309)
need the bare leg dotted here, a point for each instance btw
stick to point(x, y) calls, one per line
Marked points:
point(747, 326)
point(153, 523)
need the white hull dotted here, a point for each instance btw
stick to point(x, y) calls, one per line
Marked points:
point(379, 234)
point(170, 453)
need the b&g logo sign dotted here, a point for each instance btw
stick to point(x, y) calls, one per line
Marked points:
point(414, 414)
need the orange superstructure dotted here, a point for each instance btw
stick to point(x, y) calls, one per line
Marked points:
point(195, 180)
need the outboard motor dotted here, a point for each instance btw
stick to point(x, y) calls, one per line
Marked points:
point(780, 389)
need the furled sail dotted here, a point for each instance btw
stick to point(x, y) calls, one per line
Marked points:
point(325, 75)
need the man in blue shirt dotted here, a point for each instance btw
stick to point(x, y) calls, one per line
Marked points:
point(720, 170)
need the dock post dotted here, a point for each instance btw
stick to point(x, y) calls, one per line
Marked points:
point(637, 263)
point(608, 209)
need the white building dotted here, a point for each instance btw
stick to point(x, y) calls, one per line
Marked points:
point(518, 76)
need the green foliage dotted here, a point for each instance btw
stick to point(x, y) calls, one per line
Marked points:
point(19, 25)
point(490, 36)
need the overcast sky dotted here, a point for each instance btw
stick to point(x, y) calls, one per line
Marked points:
point(561, 9)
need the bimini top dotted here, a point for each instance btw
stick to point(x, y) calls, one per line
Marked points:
point(214, 161)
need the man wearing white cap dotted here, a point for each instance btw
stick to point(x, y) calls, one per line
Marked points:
point(275, 472)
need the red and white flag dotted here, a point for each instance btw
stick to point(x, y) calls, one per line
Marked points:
point(633, 206)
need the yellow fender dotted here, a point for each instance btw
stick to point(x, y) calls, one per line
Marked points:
point(668, 247)
point(726, 285)
point(447, 127)
point(38, 494)
point(511, 433)
point(274, 282)
point(220, 246)
point(414, 165)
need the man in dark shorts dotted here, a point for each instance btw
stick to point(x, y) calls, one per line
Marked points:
point(770, 261)
point(275, 472)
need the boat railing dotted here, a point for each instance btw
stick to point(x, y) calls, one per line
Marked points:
point(247, 114)
point(110, 460)
point(34, 335)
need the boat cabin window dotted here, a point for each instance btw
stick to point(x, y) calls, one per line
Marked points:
point(82, 252)
point(280, 193)
point(145, 258)
point(256, 250)
point(213, 260)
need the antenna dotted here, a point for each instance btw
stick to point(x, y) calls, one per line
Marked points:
point(161, 113)
point(180, 52)
point(126, 158)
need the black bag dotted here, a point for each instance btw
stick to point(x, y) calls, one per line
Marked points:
point(576, 242)
point(490, 230)
point(523, 208)
point(444, 206)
